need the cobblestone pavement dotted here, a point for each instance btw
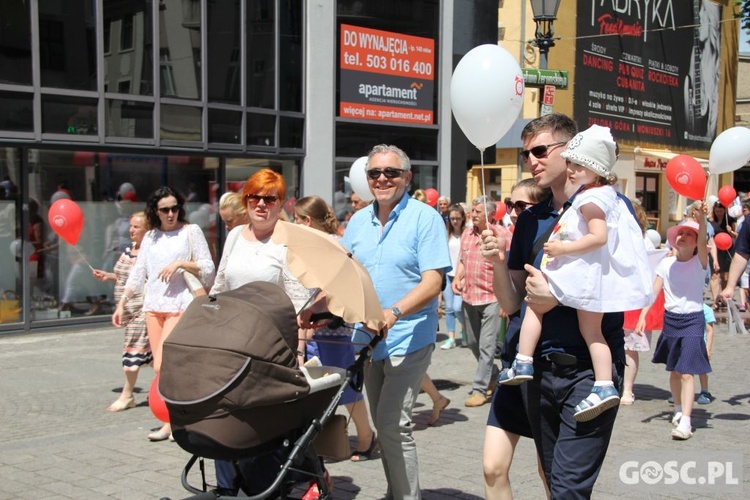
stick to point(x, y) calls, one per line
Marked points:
point(58, 440)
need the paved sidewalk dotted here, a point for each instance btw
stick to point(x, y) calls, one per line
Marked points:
point(58, 440)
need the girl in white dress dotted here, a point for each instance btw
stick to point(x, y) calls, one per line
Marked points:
point(595, 261)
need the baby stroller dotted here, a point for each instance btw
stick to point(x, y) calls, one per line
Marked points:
point(234, 391)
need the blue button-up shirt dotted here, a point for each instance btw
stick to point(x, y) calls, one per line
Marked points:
point(413, 240)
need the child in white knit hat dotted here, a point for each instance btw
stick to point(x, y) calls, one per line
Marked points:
point(595, 261)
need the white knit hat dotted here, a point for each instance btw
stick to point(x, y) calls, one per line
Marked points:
point(594, 148)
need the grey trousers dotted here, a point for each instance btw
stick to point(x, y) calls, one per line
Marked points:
point(482, 324)
point(392, 389)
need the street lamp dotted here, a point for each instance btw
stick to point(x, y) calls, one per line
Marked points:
point(545, 13)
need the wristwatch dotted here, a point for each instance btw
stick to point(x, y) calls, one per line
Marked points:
point(396, 312)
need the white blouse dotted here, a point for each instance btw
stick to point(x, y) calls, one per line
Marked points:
point(246, 261)
point(158, 250)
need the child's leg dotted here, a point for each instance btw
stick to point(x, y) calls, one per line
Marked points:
point(522, 369)
point(703, 377)
point(531, 331)
point(687, 393)
point(590, 324)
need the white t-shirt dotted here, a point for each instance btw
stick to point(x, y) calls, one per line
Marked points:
point(454, 245)
point(683, 284)
point(246, 261)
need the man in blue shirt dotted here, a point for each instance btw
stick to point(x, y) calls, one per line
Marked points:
point(403, 245)
point(571, 452)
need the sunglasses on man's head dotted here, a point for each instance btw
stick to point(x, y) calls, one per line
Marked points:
point(166, 210)
point(540, 152)
point(520, 206)
point(389, 172)
point(254, 199)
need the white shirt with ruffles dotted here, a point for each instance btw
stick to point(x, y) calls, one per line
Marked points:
point(158, 250)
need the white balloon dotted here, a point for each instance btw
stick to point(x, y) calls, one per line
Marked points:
point(486, 94)
point(712, 198)
point(654, 236)
point(358, 179)
point(729, 151)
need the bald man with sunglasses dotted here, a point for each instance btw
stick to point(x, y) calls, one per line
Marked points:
point(571, 452)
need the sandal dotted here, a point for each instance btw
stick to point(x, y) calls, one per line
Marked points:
point(122, 404)
point(587, 409)
point(363, 456)
point(628, 398)
point(437, 409)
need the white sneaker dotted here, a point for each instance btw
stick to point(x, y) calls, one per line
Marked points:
point(676, 419)
point(448, 344)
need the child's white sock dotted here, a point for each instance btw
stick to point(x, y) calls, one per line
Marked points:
point(524, 359)
point(603, 383)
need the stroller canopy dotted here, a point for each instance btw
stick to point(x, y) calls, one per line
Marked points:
point(237, 350)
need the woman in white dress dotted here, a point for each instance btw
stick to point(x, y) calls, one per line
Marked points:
point(595, 261)
point(171, 248)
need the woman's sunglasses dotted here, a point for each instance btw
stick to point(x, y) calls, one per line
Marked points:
point(540, 152)
point(254, 199)
point(167, 210)
point(389, 172)
point(520, 206)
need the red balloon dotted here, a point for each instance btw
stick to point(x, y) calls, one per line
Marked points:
point(66, 219)
point(432, 196)
point(500, 211)
point(727, 194)
point(686, 176)
point(156, 403)
point(723, 241)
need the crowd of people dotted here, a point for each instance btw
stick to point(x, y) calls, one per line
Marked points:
point(540, 282)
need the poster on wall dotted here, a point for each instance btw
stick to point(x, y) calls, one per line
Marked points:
point(386, 76)
point(649, 70)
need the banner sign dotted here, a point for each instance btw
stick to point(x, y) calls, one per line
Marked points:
point(386, 76)
point(650, 70)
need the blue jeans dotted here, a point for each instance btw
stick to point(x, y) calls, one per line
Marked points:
point(452, 304)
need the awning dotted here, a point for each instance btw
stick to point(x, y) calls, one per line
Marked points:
point(656, 159)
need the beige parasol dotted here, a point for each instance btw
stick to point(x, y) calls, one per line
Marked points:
point(319, 261)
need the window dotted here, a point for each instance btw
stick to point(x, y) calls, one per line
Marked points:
point(126, 32)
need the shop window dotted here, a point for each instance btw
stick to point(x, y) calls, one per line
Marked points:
point(261, 47)
point(67, 45)
point(647, 192)
point(69, 115)
point(129, 119)
point(15, 42)
point(11, 291)
point(181, 123)
point(224, 126)
point(16, 112)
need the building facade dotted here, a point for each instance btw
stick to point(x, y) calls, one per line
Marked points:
point(103, 101)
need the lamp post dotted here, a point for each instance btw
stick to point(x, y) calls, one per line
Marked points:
point(545, 13)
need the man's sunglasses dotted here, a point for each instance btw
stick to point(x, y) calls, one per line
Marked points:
point(166, 210)
point(540, 152)
point(254, 199)
point(389, 172)
point(520, 206)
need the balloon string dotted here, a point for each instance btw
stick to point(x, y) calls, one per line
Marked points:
point(484, 189)
point(705, 191)
point(83, 257)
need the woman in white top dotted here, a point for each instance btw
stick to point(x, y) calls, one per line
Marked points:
point(452, 303)
point(171, 248)
point(251, 255)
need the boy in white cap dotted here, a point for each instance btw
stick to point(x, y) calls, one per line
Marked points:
point(595, 261)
